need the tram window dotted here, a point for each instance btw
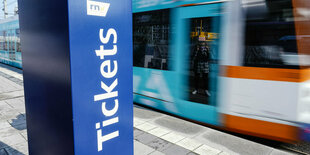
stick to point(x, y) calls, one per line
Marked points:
point(5, 41)
point(18, 40)
point(1, 40)
point(270, 39)
point(151, 39)
point(12, 42)
point(202, 50)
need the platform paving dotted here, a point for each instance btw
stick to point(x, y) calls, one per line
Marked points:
point(154, 133)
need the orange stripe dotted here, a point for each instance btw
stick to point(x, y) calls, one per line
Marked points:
point(272, 74)
point(304, 75)
point(275, 131)
point(185, 5)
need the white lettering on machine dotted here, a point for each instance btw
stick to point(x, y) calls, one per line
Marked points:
point(110, 93)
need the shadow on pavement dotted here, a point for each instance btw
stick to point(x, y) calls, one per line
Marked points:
point(7, 150)
point(12, 78)
point(19, 122)
point(11, 68)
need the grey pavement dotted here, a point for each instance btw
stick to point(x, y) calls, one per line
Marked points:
point(154, 133)
point(13, 134)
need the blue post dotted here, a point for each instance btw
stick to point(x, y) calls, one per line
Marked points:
point(77, 62)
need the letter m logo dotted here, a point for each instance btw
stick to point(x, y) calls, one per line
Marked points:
point(95, 8)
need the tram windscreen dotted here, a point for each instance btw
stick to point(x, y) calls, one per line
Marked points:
point(270, 36)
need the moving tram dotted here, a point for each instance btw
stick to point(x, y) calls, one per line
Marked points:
point(241, 65)
point(10, 49)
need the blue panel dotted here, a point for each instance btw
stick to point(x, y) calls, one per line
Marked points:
point(102, 98)
point(65, 86)
point(45, 45)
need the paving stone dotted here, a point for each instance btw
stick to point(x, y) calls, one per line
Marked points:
point(159, 144)
point(14, 72)
point(6, 111)
point(141, 149)
point(224, 153)
point(176, 150)
point(189, 144)
point(21, 83)
point(156, 153)
point(179, 125)
point(278, 152)
point(9, 114)
point(18, 100)
point(2, 118)
point(13, 79)
point(8, 85)
point(19, 149)
point(192, 153)
point(4, 124)
point(137, 122)
point(146, 126)
point(159, 132)
point(137, 132)
point(4, 106)
point(24, 134)
point(146, 114)
point(11, 140)
point(145, 138)
point(9, 131)
point(17, 104)
point(207, 150)
point(4, 91)
point(22, 99)
point(11, 94)
point(172, 137)
point(235, 144)
point(17, 94)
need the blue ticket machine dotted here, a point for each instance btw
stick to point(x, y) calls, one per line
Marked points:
point(77, 61)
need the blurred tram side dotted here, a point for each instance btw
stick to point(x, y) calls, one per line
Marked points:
point(10, 48)
point(242, 65)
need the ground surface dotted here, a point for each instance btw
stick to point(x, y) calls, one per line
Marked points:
point(154, 133)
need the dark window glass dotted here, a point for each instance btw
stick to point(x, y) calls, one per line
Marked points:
point(18, 40)
point(203, 45)
point(151, 39)
point(5, 40)
point(1, 40)
point(270, 39)
point(11, 44)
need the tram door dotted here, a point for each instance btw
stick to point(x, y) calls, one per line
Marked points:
point(198, 43)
